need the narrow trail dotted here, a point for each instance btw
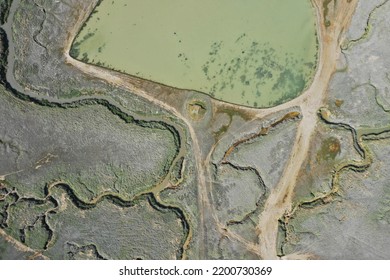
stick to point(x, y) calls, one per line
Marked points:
point(111, 78)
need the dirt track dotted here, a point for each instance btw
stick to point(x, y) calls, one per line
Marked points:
point(279, 200)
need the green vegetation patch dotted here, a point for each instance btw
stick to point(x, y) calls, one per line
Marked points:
point(330, 148)
point(5, 5)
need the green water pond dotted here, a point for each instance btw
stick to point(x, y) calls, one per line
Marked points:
point(257, 53)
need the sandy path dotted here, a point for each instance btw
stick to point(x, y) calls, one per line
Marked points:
point(279, 200)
